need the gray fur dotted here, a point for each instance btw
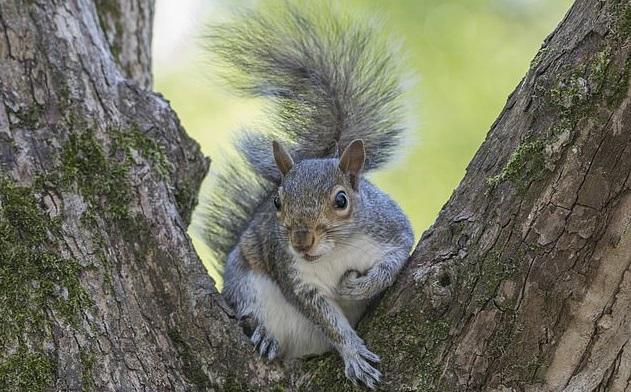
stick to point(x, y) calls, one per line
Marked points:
point(374, 214)
point(237, 193)
point(332, 80)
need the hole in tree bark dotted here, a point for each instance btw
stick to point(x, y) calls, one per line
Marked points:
point(444, 280)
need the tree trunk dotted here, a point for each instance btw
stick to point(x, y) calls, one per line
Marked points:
point(100, 288)
point(522, 284)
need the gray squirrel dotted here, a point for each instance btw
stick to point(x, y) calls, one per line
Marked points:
point(307, 241)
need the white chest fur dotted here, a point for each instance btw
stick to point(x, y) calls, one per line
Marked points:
point(297, 335)
point(325, 273)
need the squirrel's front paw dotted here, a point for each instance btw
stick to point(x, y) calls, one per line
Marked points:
point(356, 287)
point(264, 343)
point(358, 368)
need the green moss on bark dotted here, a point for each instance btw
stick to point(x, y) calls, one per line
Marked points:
point(622, 15)
point(133, 139)
point(328, 374)
point(33, 276)
point(102, 178)
point(102, 182)
point(87, 363)
point(234, 383)
point(493, 270)
point(621, 86)
point(34, 281)
point(27, 371)
point(526, 164)
point(29, 118)
point(419, 335)
point(576, 94)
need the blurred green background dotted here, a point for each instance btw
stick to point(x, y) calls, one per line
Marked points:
point(467, 55)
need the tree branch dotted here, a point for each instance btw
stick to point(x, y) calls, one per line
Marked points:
point(127, 26)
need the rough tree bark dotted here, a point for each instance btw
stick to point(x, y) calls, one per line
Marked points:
point(100, 287)
point(522, 284)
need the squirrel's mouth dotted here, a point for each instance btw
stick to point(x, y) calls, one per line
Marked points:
point(309, 257)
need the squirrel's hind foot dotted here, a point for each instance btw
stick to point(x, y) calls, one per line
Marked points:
point(264, 343)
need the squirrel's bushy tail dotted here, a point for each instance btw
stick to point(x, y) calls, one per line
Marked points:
point(331, 79)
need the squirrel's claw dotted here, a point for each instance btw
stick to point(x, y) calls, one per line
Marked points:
point(357, 367)
point(272, 351)
point(258, 334)
point(265, 344)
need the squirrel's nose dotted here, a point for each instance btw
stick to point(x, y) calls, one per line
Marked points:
point(302, 240)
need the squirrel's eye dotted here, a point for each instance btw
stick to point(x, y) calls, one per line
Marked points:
point(277, 202)
point(341, 200)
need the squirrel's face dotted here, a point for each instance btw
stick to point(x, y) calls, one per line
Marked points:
point(316, 200)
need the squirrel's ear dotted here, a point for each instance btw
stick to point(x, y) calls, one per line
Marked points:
point(352, 160)
point(282, 158)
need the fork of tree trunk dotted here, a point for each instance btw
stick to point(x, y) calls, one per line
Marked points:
point(521, 284)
